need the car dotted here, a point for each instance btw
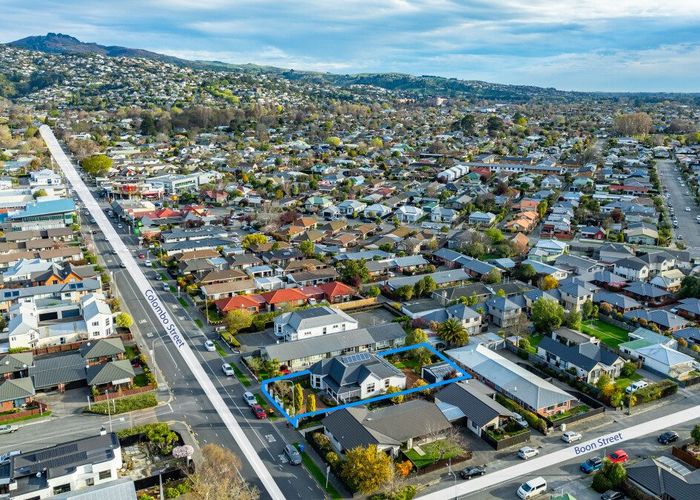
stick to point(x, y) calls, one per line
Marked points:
point(687, 209)
point(166, 287)
point(612, 495)
point(249, 399)
point(122, 265)
point(142, 256)
point(668, 437)
point(209, 346)
point(8, 429)
point(697, 218)
point(571, 436)
point(679, 237)
point(228, 371)
point(532, 488)
point(528, 452)
point(5, 457)
point(591, 465)
point(292, 454)
point(147, 263)
point(618, 456)
point(120, 226)
point(259, 412)
point(635, 386)
point(520, 420)
point(473, 471)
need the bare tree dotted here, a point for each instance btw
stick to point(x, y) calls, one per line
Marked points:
point(218, 477)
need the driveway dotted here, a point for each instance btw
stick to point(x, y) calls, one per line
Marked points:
point(67, 403)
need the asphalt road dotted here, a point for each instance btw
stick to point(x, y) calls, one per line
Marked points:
point(688, 226)
point(189, 403)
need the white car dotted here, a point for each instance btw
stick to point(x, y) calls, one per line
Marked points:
point(228, 371)
point(8, 429)
point(520, 420)
point(209, 346)
point(527, 452)
point(571, 436)
point(687, 209)
point(147, 263)
point(635, 386)
point(532, 488)
point(249, 399)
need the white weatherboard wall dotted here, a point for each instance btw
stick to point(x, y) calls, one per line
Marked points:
point(578, 450)
point(161, 312)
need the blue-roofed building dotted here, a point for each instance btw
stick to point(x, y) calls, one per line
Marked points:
point(49, 214)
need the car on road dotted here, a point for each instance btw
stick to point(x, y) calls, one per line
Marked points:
point(120, 226)
point(668, 437)
point(618, 456)
point(8, 429)
point(612, 495)
point(249, 398)
point(591, 465)
point(166, 287)
point(571, 436)
point(473, 471)
point(532, 488)
point(520, 420)
point(635, 386)
point(687, 209)
point(147, 263)
point(259, 412)
point(228, 371)
point(291, 452)
point(122, 265)
point(209, 346)
point(528, 452)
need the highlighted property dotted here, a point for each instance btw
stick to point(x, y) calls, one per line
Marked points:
point(294, 419)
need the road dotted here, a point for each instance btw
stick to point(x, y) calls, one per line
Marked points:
point(208, 410)
point(688, 226)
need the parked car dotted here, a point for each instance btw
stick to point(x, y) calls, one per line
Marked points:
point(292, 454)
point(687, 209)
point(528, 452)
point(612, 495)
point(571, 436)
point(618, 456)
point(166, 287)
point(147, 263)
point(259, 412)
point(249, 398)
point(470, 472)
point(532, 488)
point(8, 429)
point(591, 465)
point(635, 386)
point(668, 437)
point(209, 346)
point(520, 420)
point(228, 371)
point(5, 457)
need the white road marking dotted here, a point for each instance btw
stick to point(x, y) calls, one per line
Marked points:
point(161, 312)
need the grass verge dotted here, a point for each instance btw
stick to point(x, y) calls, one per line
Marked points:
point(222, 352)
point(240, 376)
point(319, 476)
point(47, 413)
point(183, 302)
point(198, 322)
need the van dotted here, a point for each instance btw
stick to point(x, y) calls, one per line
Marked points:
point(532, 488)
point(634, 387)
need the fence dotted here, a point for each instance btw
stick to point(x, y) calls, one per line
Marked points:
point(39, 351)
point(124, 392)
point(688, 458)
point(356, 304)
point(592, 412)
point(616, 322)
point(24, 413)
point(506, 442)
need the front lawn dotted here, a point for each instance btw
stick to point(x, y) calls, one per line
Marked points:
point(573, 411)
point(432, 452)
point(623, 382)
point(610, 335)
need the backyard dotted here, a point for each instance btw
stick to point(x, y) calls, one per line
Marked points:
point(610, 335)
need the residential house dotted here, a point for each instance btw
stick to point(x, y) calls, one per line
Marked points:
point(351, 208)
point(689, 308)
point(589, 360)
point(504, 312)
point(408, 214)
point(482, 219)
point(376, 211)
point(620, 303)
point(664, 477)
point(664, 320)
point(312, 322)
point(573, 296)
point(641, 235)
point(632, 268)
point(15, 393)
point(592, 233)
point(444, 215)
point(470, 319)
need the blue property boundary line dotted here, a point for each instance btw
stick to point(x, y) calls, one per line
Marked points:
point(294, 420)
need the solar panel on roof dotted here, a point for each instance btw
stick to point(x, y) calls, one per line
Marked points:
point(57, 451)
point(676, 466)
point(81, 456)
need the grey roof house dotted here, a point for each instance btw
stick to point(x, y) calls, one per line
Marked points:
point(589, 360)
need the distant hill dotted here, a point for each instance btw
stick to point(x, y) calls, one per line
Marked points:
point(420, 86)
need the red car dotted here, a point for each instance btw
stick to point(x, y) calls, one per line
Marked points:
point(618, 457)
point(259, 412)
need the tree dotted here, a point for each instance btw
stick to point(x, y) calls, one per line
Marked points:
point(492, 277)
point(632, 123)
point(353, 272)
point(452, 332)
point(601, 483)
point(525, 272)
point(628, 369)
point(366, 469)
point(392, 389)
point(307, 248)
point(298, 398)
point(253, 240)
point(97, 165)
point(405, 292)
point(39, 193)
point(416, 336)
point(587, 309)
point(548, 283)
point(695, 434)
point(123, 320)
point(605, 384)
point(421, 383)
point(495, 235)
point(334, 141)
point(547, 315)
point(572, 320)
point(311, 402)
point(237, 320)
point(494, 125)
point(615, 473)
point(217, 476)
point(690, 287)
point(160, 436)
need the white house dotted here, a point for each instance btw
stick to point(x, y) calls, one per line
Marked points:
point(409, 214)
point(632, 268)
point(376, 210)
point(351, 208)
point(306, 323)
point(441, 214)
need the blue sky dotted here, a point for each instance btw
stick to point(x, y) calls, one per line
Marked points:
point(610, 45)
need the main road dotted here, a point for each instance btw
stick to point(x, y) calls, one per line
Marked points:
point(688, 226)
point(157, 309)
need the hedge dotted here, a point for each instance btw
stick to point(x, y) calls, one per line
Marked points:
point(533, 420)
point(124, 405)
point(659, 390)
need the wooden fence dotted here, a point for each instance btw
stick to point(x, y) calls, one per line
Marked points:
point(41, 408)
point(73, 346)
point(356, 304)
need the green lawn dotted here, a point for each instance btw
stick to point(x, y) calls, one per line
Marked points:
point(47, 413)
point(610, 335)
point(222, 352)
point(432, 453)
point(198, 322)
point(623, 382)
point(573, 411)
point(183, 302)
point(319, 475)
point(240, 375)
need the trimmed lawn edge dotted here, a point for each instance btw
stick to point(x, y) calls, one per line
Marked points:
point(319, 476)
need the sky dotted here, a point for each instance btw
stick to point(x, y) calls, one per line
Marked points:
point(590, 45)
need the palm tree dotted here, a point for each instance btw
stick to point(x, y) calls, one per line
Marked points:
point(453, 332)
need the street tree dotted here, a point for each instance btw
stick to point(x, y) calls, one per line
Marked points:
point(217, 476)
point(367, 469)
point(123, 320)
point(237, 320)
point(97, 165)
